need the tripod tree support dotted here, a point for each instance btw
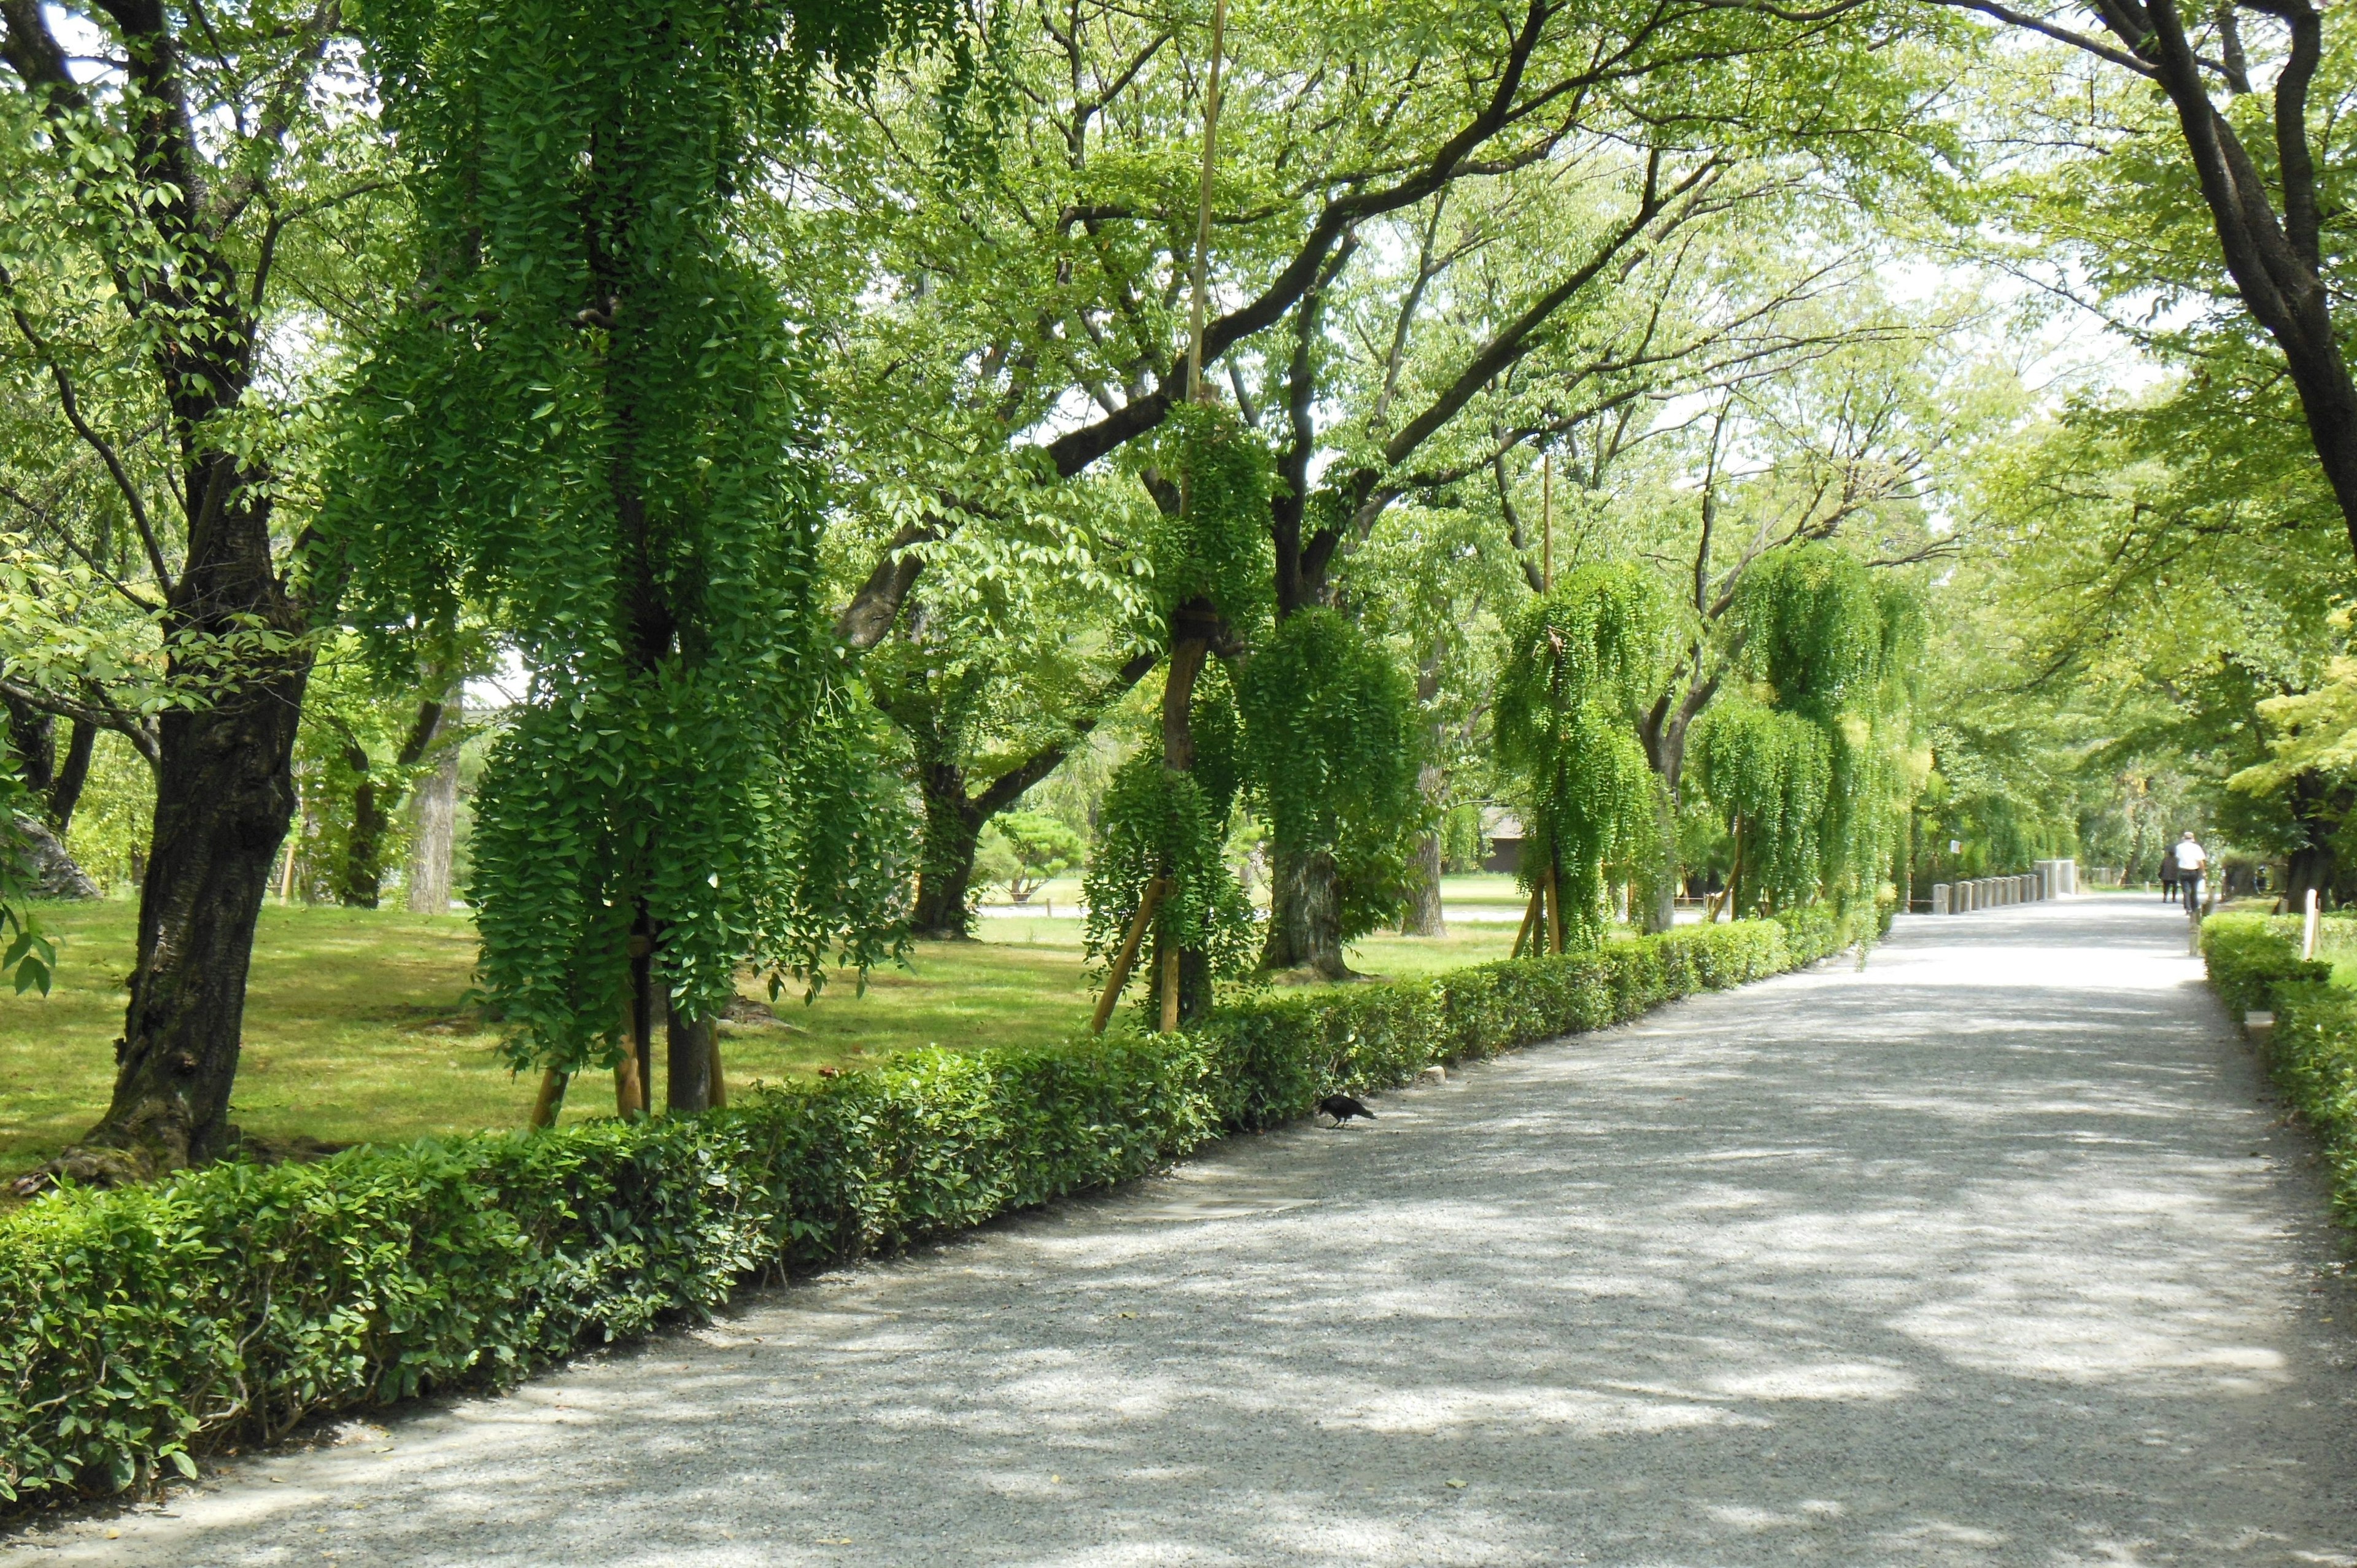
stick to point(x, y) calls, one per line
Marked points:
point(1128, 957)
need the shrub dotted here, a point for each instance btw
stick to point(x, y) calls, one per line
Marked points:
point(141, 1324)
point(2313, 1056)
point(2248, 956)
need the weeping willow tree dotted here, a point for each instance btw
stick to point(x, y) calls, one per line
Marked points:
point(589, 418)
point(1582, 659)
point(1809, 765)
point(1166, 818)
point(1335, 755)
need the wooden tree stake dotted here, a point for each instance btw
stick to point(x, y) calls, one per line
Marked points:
point(1128, 957)
point(550, 1100)
point(1546, 522)
point(630, 1089)
point(1203, 202)
point(717, 1097)
point(1529, 919)
point(1170, 989)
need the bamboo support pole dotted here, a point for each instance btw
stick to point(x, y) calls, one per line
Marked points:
point(1170, 989)
point(550, 1100)
point(630, 1089)
point(1203, 202)
point(1546, 522)
point(1530, 921)
point(1127, 957)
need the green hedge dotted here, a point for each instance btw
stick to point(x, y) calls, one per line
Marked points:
point(139, 1325)
point(2313, 1056)
point(2253, 962)
point(2249, 955)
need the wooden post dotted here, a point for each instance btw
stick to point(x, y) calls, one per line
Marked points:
point(1554, 909)
point(1530, 921)
point(294, 842)
point(1119, 976)
point(550, 1100)
point(690, 1045)
point(1169, 988)
point(2308, 932)
point(642, 1010)
point(1203, 202)
point(718, 1085)
point(1546, 522)
point(629, 1084)
point(1735, 876)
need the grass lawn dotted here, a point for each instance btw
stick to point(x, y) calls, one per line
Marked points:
point(355, 1027)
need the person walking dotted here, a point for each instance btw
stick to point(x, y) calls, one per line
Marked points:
point(2168, 874)
point(2190, 859)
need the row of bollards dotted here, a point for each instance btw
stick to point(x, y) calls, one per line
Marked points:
point(2049, 879)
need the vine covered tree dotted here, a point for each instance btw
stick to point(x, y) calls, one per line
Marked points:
point(1331, 734)
point(1809, 765)
point(591, 419)
point(1583, 660)
point(1166, 817)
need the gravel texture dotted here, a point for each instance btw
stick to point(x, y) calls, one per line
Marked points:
point(1994, 1251)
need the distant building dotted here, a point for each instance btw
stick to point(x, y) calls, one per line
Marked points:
point(1502, 831)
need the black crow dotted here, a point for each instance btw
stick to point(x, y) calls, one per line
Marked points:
point(1341, 1107)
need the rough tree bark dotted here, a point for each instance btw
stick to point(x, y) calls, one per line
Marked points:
point(374, 803)
point(955, 815)
point(1425, 916)
point(224, 786)
point(434, 817)
point(32, 734)
point(1194, 628)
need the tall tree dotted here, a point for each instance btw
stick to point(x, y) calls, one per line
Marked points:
point(2258, 69)
point(153, 204)
point(592, 418)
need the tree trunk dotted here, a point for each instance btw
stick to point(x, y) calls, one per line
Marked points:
point(434, 819)
point(692, 1044)
point(65, 791)
point(945, 908)
point(32, 734)
point(55, 874)
point(223, 795)
point(1425, 916)
point(1661, 885)
point(2314, 807)
point(1192, 626)
point(364, 878)
point(1305, 924)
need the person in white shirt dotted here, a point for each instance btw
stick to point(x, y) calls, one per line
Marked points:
point(2190, 859)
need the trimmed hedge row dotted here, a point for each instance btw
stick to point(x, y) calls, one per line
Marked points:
point(2254, 963)
point(2249, 955)
point(232, 1302)
point(2313, 1057)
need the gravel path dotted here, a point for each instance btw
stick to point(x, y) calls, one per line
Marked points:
point(1993, 1253)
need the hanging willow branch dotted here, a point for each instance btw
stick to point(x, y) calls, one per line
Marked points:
point(1583, 657)
point(589, 418)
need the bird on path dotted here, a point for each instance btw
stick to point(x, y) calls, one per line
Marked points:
point(1341, 1107)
